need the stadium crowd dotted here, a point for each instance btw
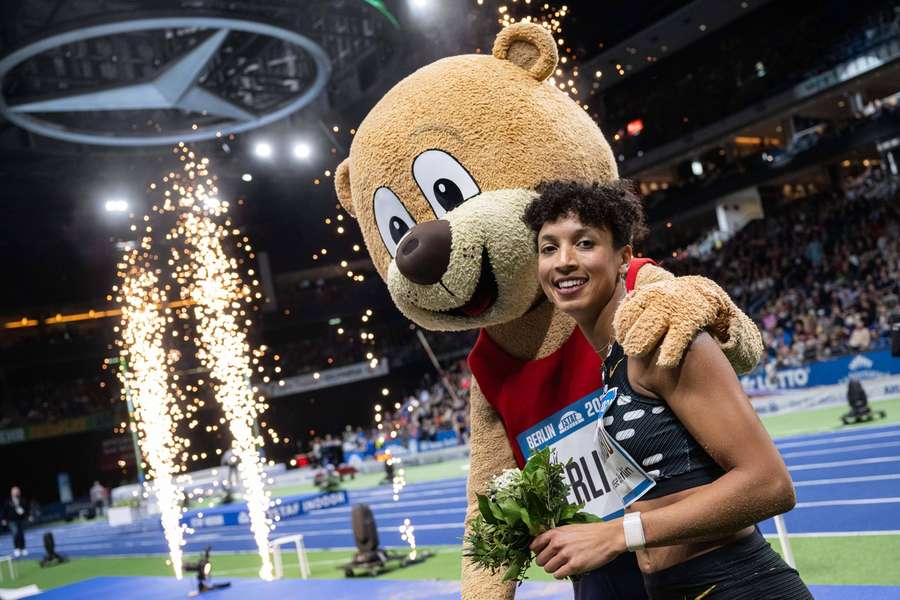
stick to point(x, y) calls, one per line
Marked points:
point(435, 414)
point(819, 274)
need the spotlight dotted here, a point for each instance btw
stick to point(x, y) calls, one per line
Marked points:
point(263, 150)
point(697, 168)
point(203, 567)
point(247, 177)
point(370, 558)
point(51, 556)
point(302, 150)
point(419, 3)
point(116, 205)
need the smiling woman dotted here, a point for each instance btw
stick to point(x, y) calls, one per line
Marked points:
point(715, 472)
point(598, 241)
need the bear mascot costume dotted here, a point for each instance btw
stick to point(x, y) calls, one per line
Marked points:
point(439, 174)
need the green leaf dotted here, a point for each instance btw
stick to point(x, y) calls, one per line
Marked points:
point(497, 512)
point(515, 567)
point(511, 511)
point(484, 507)
point(526, 519)
point(584, 517)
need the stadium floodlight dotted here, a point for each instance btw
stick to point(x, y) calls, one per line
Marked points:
point(247, 177)
point(263, 149)
point(302, 151)
point(116, 205)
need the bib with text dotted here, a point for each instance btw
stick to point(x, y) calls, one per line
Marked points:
point(601, 475)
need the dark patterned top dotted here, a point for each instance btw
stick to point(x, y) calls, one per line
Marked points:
point(650, 432)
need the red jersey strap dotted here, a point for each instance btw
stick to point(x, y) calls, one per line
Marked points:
point(633, 267)
point(525, 392)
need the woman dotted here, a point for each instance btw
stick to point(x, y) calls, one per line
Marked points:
point(716, 469)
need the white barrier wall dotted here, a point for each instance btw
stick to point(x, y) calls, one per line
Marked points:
point(819, 397)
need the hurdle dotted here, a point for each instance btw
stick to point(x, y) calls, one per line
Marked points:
point(8, 559)
point(785, 541)
point(275, 548)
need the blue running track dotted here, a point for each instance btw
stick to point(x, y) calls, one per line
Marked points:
point(847, 483)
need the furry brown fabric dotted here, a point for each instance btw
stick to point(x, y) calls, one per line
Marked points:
point(676, 310)
point(499, 125)
point(530, 49)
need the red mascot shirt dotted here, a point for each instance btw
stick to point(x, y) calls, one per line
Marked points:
point(525, 392)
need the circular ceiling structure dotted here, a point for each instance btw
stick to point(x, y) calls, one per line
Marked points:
point(160, 80)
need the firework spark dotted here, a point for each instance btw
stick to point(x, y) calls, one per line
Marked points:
point(145, 381)
point(399, 482)
point(200, 271)
point(220, 296)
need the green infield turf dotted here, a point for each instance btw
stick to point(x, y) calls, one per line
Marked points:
point(864, 559)
point(417, 474)
point(826, 419)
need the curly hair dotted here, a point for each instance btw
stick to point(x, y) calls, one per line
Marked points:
point(612, 206)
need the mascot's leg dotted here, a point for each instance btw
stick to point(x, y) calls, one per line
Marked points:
point(490, 454)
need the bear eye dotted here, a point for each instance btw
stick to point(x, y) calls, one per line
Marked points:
point(392, 218)
point(443, 181)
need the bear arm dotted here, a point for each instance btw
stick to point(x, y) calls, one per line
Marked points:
point(490, 454)
point(741, 341)
point(651, 273)
point(734, 331)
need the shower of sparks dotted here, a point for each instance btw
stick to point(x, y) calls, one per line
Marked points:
point(399, 481)
point(146, 382)
point(221, 299)
point(193, 264)
point(406, 530)
point(406, 534)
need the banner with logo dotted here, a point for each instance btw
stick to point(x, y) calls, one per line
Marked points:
point(103, 420)
point(820, 397)
point(236, 514)
point(327, 378)
point(866, 366)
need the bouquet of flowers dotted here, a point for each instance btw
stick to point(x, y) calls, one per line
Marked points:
point(519, 506)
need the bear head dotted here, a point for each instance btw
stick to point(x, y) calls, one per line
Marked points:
point(441, 170)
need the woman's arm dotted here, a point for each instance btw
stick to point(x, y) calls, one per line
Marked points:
point(705, 395)
point(707, 398)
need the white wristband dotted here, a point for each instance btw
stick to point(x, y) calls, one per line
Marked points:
point(634, 531)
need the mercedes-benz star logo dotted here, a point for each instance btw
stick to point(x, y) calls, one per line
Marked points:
point(175, 87)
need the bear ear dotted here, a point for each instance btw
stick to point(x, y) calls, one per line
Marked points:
point(342, 186)
point(530, 46)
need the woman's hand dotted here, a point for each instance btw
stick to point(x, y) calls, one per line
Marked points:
point(575, 549)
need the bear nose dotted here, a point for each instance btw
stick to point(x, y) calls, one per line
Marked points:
point(424, 253)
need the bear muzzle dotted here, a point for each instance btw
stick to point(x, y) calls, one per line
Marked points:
point(423, 257)
point(424, 252)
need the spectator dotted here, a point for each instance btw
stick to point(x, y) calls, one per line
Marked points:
point(15, 514)
point(861, 337)
point(98, 497)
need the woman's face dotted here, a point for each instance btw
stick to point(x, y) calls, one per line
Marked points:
point(578, 266)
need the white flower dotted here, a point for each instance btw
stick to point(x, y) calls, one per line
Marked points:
point(506, 482)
